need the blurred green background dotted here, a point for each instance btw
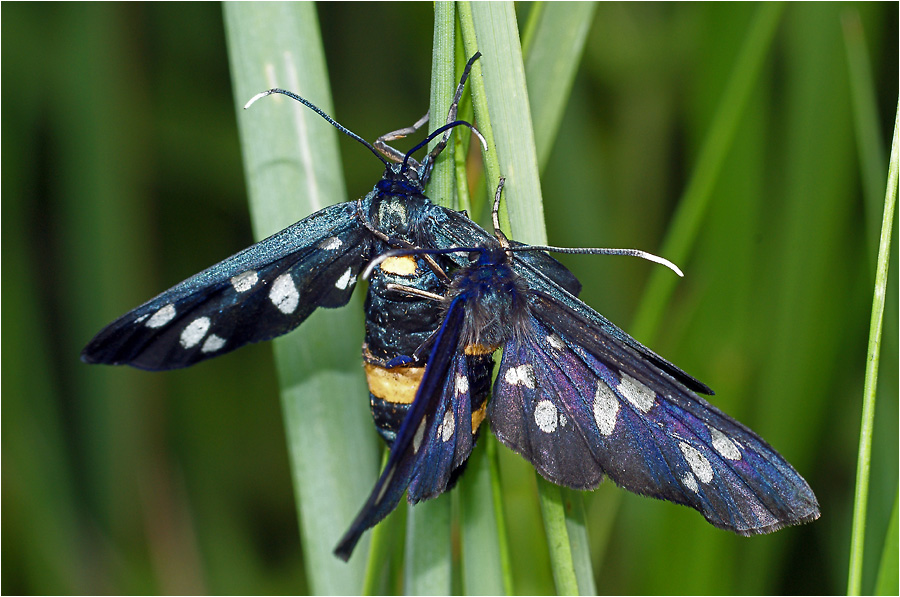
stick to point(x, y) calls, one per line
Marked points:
point(122, 175)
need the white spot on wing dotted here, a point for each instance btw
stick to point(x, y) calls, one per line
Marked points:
point(142, 318)
point(690, 482)
point(161, 317)
point(697, 461)
point(284, 294)
point(642, 397)
point(606, 408)
point(346, 279)
point(462, 384)
point(555, 341)
point(194, 332)
point(330, 244)
point(545, 415)
point(447, 426)
point(723, 445)
point(420, 433)
point(212, 344)
point(387, 483)
point(523, 375)
point(245, 281)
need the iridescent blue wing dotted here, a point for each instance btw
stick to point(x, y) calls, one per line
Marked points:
point(579, 403)
point(262, 292)
point(434, 439)
point(447, 445)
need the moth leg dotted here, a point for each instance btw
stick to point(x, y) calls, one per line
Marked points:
point(451, 116)
point(395, 155)
point(495, 214)
point(381, 144)
point(413, 291)
point(425, 346)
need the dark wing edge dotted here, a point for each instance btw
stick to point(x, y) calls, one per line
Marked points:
point(431, 442)
point(257, 294)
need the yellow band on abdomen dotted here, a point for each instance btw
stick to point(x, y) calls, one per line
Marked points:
point(397, 385)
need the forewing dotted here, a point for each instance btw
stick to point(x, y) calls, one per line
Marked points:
point(447, 443)
point(420, 444)
point(641, 426)
point(260, 293)
point(538, 280)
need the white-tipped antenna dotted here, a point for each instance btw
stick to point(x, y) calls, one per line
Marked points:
point(257, 96)
point(318, 111)
point(602, 251)
point(627, 252)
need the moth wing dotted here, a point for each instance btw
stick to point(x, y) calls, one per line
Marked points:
point(641, 426)
point(421, 458)
point(448, 441)
point(257, 294)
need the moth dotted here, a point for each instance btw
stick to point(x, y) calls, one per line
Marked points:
point(578, 398)
point(574, 394)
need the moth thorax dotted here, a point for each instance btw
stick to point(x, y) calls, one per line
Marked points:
point(393, 214)
point(495, 304)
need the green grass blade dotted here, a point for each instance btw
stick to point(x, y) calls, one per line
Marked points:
point(693, 205)
point(428, 554)
point(443, 86)
point(503, 102)
point(428, 560)
point(471, 44)
point(861, 493)
point(378, 552)
point(506, 94)
point(292, 168)
point(552, 55)
point(866, 122)
point(888, 580)
point(579, 540)
point(483, 539)
point(556, 527)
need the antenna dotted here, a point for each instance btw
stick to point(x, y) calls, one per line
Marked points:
point(577, 251)
point(438, 132)
point(318, 111)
